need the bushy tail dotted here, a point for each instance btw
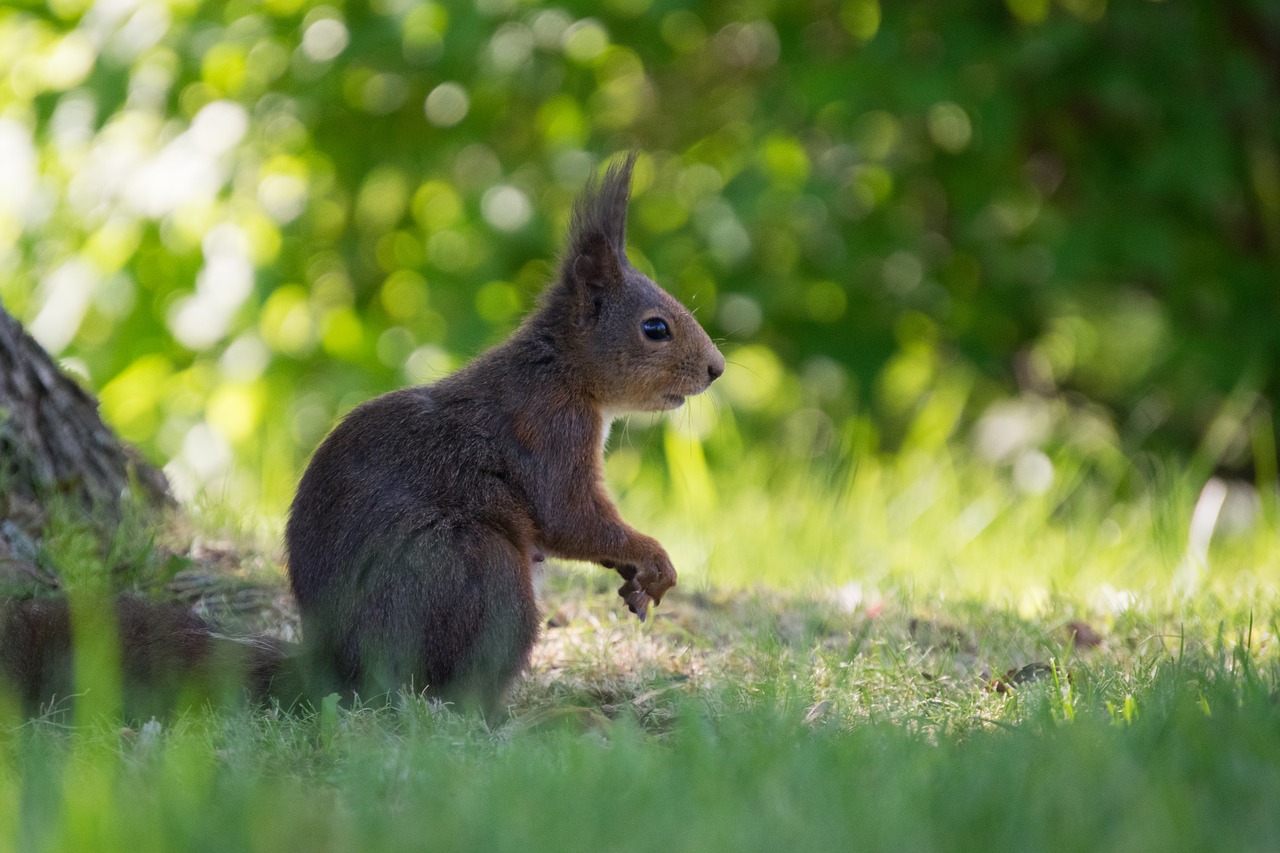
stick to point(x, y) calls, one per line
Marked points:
point(170, 659)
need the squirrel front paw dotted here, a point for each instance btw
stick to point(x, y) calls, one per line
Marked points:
point(647, 584)
point(656, 576)
point(637, 600)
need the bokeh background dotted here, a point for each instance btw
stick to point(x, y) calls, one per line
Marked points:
point(1029, 230)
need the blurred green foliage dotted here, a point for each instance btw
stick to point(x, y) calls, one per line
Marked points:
point(239, 219)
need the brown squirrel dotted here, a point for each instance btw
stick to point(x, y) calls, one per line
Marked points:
point(416, 528)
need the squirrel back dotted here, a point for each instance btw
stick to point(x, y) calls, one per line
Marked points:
point(418, 523)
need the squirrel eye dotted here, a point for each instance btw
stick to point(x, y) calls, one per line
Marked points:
point(655, 329)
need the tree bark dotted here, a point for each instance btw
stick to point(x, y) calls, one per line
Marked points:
point(54, 447)
point(53, 441)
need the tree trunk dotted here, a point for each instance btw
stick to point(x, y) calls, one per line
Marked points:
point(54, 445)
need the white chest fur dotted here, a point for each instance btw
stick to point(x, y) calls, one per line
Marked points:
point(607, 418)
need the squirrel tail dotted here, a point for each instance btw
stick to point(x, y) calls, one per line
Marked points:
point(170, 659)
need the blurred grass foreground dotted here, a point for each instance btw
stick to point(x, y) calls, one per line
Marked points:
point(977, 535)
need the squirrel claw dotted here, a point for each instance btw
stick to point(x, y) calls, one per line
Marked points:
point(637, 600)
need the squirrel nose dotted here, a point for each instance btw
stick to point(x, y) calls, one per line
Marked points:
point(716, 368)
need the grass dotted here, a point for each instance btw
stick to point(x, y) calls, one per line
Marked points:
point(1174, 778)
point(916, 652)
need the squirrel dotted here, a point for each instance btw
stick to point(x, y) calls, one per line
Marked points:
point(418, 524)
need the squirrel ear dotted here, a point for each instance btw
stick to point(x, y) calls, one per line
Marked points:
point(595, 266)
point(598, 230)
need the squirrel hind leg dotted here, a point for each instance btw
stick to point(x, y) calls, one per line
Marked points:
point(448, 612)
point(509, 625)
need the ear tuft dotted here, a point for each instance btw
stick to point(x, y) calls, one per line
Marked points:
point(599, 221)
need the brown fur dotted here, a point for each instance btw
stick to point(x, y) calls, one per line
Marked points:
point(169, 658)
point(416, 527)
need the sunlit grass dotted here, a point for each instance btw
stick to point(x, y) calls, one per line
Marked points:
point(936, 518)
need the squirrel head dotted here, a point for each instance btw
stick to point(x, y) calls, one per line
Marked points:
point(638, 348)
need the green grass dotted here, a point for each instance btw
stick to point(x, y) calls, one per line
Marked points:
point(892, 655)
point(1173, 778)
